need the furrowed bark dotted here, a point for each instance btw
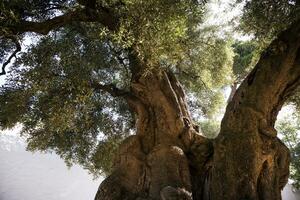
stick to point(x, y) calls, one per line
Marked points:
point(250, 162)
point(158, 161)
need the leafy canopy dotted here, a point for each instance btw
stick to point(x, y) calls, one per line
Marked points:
point(266, 18)
point(50, 87)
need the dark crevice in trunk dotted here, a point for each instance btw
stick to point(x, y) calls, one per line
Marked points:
point(251, 76)
point(200, 183)
point(263, 182)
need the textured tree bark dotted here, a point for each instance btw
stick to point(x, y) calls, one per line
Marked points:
point(168, 159)
point(156, 162)
point(249, 161)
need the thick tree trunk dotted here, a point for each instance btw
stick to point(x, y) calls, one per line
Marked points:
point(168, 159)
point(158, 161)
point(250, 162)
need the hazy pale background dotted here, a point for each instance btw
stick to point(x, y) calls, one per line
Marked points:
point(28, 176)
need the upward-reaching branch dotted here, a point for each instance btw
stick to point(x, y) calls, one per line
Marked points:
point(248, 140)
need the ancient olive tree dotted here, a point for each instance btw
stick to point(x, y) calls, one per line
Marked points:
point(101, 80)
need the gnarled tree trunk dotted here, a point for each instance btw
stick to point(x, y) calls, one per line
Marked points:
point(158, 161)
point(168, 159)
point(250, 162)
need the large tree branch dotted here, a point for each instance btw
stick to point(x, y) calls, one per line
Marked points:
point(101, 15)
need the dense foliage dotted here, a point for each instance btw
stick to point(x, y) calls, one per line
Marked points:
point(245, 59)
point(266, 18)
point(50, 87)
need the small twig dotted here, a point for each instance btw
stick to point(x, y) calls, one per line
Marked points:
point(18, 48)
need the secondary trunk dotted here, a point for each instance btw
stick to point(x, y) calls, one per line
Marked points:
point(250, 162)
point(168, 159)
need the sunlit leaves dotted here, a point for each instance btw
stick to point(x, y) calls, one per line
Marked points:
point(205, 70)
point(210, 128)
point(245, 58)
point(265, 18)
point(159, 29)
